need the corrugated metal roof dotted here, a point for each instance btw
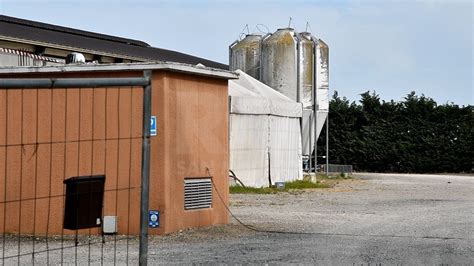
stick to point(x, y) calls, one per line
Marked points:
point(51, 27)
point(48, 35)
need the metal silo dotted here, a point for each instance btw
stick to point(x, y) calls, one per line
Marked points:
point(307, 71)
point(314, 79)
point(314, 71)
point(322, 75)
point(322, 94)
point(245, 55)
point(280, 62)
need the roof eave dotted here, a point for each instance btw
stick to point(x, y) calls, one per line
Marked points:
point(168, 66)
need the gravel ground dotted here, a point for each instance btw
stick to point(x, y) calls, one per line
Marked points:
point(377, 218)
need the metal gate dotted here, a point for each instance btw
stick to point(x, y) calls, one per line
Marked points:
point(74, 163)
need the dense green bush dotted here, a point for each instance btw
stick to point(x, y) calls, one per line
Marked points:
point(415, 135)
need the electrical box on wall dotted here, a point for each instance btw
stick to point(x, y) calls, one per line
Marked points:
point(110, 225)
point(84, 200)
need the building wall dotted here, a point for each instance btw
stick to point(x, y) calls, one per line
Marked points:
point(192, 136)
point(51, 135)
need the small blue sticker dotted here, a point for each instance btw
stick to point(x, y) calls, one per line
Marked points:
point(153, 130)
point(154, 219)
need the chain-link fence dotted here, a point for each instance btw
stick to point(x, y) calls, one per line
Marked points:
point(336, 168)
point(74, 169)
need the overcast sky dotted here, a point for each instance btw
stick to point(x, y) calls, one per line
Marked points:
point(392, 47)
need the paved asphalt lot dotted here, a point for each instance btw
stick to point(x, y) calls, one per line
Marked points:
point(376, 219)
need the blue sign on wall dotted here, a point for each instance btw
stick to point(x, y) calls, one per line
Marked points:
point(153, 126)
point(154, 219)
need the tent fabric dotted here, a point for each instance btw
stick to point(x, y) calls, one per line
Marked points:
point(250, 96)
point(264, 106)
point(286, 163)
point(257, 87)
point(249, 148)
point(265, 137)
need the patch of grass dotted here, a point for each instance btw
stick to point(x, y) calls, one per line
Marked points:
point(251, 190)
point(289, 186)
point(303, 184)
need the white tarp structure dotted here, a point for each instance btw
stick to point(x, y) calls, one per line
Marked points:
point(265, 137)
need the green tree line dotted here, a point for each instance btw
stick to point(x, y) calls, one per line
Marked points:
point(415, 135)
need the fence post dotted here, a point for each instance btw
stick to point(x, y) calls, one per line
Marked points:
point(143, 251)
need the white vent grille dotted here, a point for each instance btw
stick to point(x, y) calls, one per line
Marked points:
point(197, 193)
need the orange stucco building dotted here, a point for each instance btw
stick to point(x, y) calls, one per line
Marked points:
point(49, 135)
